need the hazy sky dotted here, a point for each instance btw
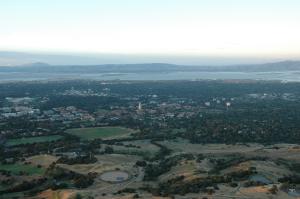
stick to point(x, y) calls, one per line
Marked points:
point(269, 28)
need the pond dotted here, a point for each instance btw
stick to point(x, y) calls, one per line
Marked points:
point(294, 193)
point(260, 178)
point(114, 176)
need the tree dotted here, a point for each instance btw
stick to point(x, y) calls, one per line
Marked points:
point(273, 189)
point(108, 149)
point(78, 196)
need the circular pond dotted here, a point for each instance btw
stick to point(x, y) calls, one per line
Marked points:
point(114, 176)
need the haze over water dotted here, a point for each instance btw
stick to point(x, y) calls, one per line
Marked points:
point(279, 76)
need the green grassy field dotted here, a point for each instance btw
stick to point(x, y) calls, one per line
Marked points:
point(16, 168)
point(30, 140)
point(100, 132)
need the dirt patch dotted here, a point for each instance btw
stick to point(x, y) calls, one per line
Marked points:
point(50, 194)
point(43, 160)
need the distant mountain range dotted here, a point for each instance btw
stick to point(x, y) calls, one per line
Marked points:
point(40, 67)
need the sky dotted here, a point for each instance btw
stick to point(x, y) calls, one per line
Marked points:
point(216, 28)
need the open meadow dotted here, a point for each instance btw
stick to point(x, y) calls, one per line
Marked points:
point(100, 132)
point(31, 140)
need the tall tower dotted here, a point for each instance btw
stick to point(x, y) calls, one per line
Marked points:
point(140, 106)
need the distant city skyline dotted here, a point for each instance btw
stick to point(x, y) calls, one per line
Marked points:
point(260, 29)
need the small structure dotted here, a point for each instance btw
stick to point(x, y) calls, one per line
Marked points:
point(207, 103)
